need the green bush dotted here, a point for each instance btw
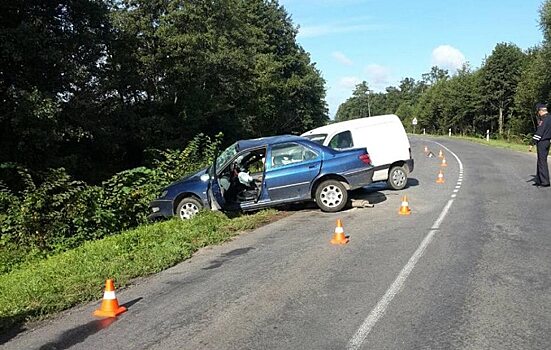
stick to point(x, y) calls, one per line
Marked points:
point(127, 194)
point(50, 212)
point(172, 165)
point(59, 213)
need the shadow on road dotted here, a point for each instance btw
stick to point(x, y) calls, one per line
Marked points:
point(10, 327)
point(79, 334)
point(227, 257)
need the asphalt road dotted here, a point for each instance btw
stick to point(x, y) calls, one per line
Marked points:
point(470, 268)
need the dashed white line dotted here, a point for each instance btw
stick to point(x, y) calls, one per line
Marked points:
point(359, 337)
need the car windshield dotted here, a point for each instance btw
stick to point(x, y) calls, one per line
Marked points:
point(317, 138)
point(225, 156)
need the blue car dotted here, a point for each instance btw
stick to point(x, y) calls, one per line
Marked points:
point(267, 172)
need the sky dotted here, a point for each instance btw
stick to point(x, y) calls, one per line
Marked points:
point(383, 42)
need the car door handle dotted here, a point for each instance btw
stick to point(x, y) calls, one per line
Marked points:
point(312, 166)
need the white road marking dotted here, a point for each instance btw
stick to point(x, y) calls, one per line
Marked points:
point(359, 337)
point(454, 195)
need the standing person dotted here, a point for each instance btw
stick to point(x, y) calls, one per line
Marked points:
point(541, 139)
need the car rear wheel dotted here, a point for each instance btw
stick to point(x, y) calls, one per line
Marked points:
point(331, 196)
point(397, 178)
point(188, 208)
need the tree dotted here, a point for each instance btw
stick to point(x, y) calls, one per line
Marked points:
point(535, 81)
point(50, 53)
point(357, 106)
point(435, 75)
point(500, 75)
point(91, 85)
point(289, 90)
point(534, 86)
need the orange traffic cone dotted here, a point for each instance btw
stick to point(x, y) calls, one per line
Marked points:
point(444, 163)
point(440, 154)
point(339, 237)
point(109, 306)
point(440, 179)
point(404, 208)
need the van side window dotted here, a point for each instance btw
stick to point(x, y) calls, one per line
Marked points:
point(342, 140)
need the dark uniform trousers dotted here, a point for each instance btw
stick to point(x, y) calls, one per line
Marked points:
point(542, 172)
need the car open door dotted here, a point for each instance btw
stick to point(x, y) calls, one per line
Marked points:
point(216, 198)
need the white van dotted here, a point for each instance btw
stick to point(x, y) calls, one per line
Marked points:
point(383, 136)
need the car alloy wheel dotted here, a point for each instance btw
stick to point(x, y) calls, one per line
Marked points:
point(188, 211)
point(331, 196)
point(188, 208)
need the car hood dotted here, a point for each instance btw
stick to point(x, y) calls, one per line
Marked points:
point(191, 178)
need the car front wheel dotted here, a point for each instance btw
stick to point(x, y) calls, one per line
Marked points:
point(397, 178)
point(188, 208)
point(331, 196)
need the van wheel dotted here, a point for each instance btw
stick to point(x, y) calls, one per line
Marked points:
point(188, 208)
point(397, 178)
point(331, 196)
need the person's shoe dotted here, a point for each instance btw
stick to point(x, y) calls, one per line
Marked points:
point(536, 184)
point(547, 185)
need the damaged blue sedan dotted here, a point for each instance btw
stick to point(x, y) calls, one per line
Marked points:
point(267, 172)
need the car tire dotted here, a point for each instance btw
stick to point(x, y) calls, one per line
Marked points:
point(188, 208)
point(397, 178)
point(331, 196)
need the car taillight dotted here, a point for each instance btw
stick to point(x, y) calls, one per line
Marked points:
point(366, 159)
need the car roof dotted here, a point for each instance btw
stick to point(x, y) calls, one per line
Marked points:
point(263, 141)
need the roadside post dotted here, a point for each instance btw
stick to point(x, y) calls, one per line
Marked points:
point(414, 123)
point(450, 132)
point(487, 135)
point(423, 131)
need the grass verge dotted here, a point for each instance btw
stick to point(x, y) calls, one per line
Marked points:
point(519, 147)
point(73, 277)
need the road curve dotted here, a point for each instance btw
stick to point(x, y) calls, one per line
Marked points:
point(468, 269)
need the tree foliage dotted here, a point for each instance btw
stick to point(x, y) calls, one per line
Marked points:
point(92, 85)
point(500, 76)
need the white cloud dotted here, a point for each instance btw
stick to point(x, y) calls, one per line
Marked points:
point(339, 56)
point(378, 75)
point(349, 82)
point(447, 57)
